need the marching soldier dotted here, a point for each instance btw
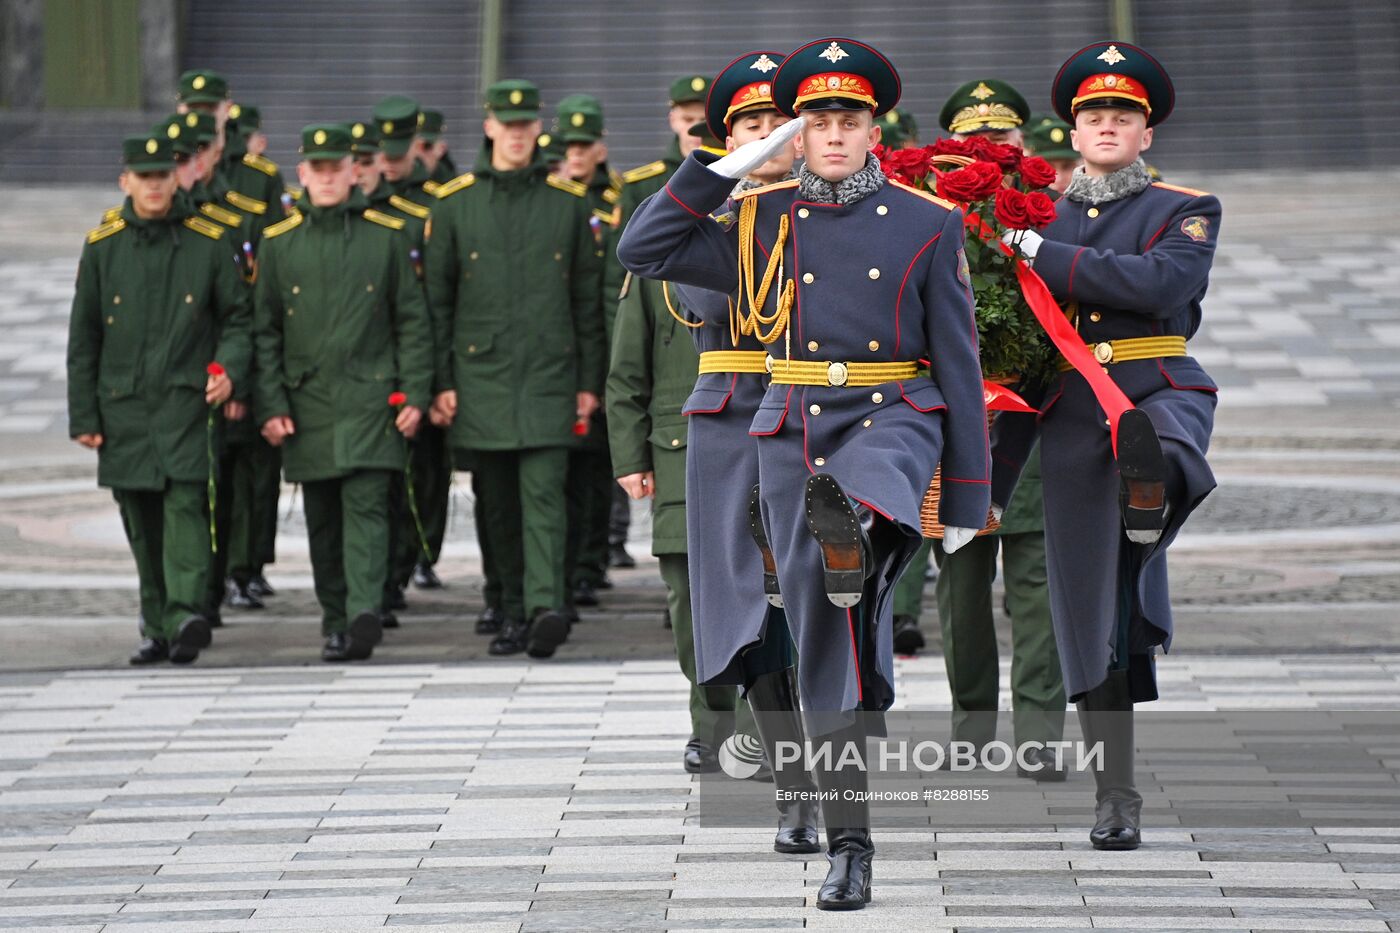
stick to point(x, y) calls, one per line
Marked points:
point(254, 184)
point(1129, 259)
point(432, 151)
point(364, 149)
point(687, 107)
point(249, 119)
point(158, 335)
point(344, 368)
point(513, 281)
point(849, 435)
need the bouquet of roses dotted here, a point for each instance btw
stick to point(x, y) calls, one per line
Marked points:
point(999, 190)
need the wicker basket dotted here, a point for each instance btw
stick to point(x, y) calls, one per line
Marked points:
point(928, 513)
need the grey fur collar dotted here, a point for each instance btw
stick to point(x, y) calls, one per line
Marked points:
point(1101, 189)
point(747, 184)
point(865, 182)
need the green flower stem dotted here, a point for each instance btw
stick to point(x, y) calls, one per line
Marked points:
point(213, 486)
point(413, 499)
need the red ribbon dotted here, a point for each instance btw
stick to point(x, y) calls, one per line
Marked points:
point(1000, 398)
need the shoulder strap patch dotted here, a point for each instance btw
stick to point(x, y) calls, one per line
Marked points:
point(431, 187)
point(605, 216)
point(576, 188)
point(295, 192)
point(1180, 190)
point(222, 214)
point(261, 163)
point(457, 184)
point(282, 226)
point(411, 208)
point(946, 205)
point(384, 220)
point(612, 195)
point(643, 172)
point(207, 227)
point(111, 214)
point(245, 203)
point(106, 230)
point(765, 189)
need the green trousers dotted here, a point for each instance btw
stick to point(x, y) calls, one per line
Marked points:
point(964, 592)
point(909, 591)
point(521, 495)
point(347, 525)
point(431, 468)
point(169, 536)
point(716, 713)
point(254, 531)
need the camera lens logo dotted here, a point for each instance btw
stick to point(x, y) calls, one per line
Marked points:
point(741, 756)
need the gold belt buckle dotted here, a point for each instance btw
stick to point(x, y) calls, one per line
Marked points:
point(1103, 352)
point(836, 374)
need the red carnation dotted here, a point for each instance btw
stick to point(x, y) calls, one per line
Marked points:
point(1010, 210)
point(1036, 172)
point(974, 182)
point(396, 399)
point(214, 369)
point(1040, 208)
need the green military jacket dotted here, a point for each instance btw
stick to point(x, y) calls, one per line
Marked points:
point(637, 185)
point(604, 193)
point(252, 184)
point(512, 275)
point(340, 324)
point(408, 201)
point(652, 372)
point(157, 301)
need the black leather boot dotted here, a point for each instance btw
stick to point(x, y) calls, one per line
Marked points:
point(832, 520)
point(849, 848)
point(771, 592)
point(773, 699)
point(1142, 472)
point(1106, 715)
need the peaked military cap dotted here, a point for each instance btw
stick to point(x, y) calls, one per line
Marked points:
point(745, 84)
point(513, 100)
point(247, 118)
point(708, 140)
point(579, 119)
point(202, 87)
point(203, 125)
point(325, 141)
point(1113, 74)
point(364, 137)
point(398, 118)
point(153, 152)
point(183, 137)
point(1048, 137)
point(835, 74)
point(898, 127)
point(430, 129)
point(984, 105)
point(551, 147)
point(689, 89)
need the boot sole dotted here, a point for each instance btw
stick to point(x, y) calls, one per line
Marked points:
point(771, 592)
point(833, 522)
point(1142, 470)
point(365, 632)
point(547, 633)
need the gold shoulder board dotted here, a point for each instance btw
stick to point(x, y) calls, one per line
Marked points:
point(576, 188)
point(946, 205)
point(612, 195)
point(643, 172)
point(222, 214)
point(431, 187)
point(282, 226)
point(245, 203)
point(412, 208)
point(455, 185)
point(384, 220)
point(207, 227)
point(111, 214)
point(106, 230)
point(605, 216)
point(764, 189)
point(294, 192)
point(262, 164)
point(1191, 191)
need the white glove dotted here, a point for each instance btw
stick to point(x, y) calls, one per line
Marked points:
point(997, 511)
point(751, 155)
point(1027, 241)
point(954, 537)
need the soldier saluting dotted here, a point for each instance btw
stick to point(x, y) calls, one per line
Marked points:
point(871, 282)
point(1129, 259)
point(159, 300)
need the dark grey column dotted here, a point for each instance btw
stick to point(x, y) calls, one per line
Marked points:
point(160, 53)
point(22, 54)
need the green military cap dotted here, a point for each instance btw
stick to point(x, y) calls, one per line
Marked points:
point(325, 141)
point(183, 138)
point(983, 105)
point(707, 139)
point(202, 87)
point(551, 147)
point(430, 128)
point(364, 137)
point(245, 117)
point(1048, 137)
point(690, 89)
point(397, 118)
point(897, 127)
point(513, 100)
point(579, 119)
point(203, 125)
point(150, 153)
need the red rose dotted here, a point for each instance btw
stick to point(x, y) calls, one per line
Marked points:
point(1010, 210)
point(397, 398)
point(1007, 157)
point(214, 369)
point(956, 147)
point(1040, 208)
point(974, 182)
point(1036, 172)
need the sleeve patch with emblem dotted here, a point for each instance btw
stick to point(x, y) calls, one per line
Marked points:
point(1197, 228)
point(964, 272)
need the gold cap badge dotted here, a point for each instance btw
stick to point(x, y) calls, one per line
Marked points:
point(697, 84)
point(516, 97)
point(982, 92)
point(173, 131)
point(387, 126)
point(357, 130)
point(319, 138)
point(191, 119)
point(151, 146)
point(198, 83)
point(577, 119)
point(234, 111)
point(1057, 135)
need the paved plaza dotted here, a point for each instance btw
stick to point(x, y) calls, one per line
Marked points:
point(436, 787)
